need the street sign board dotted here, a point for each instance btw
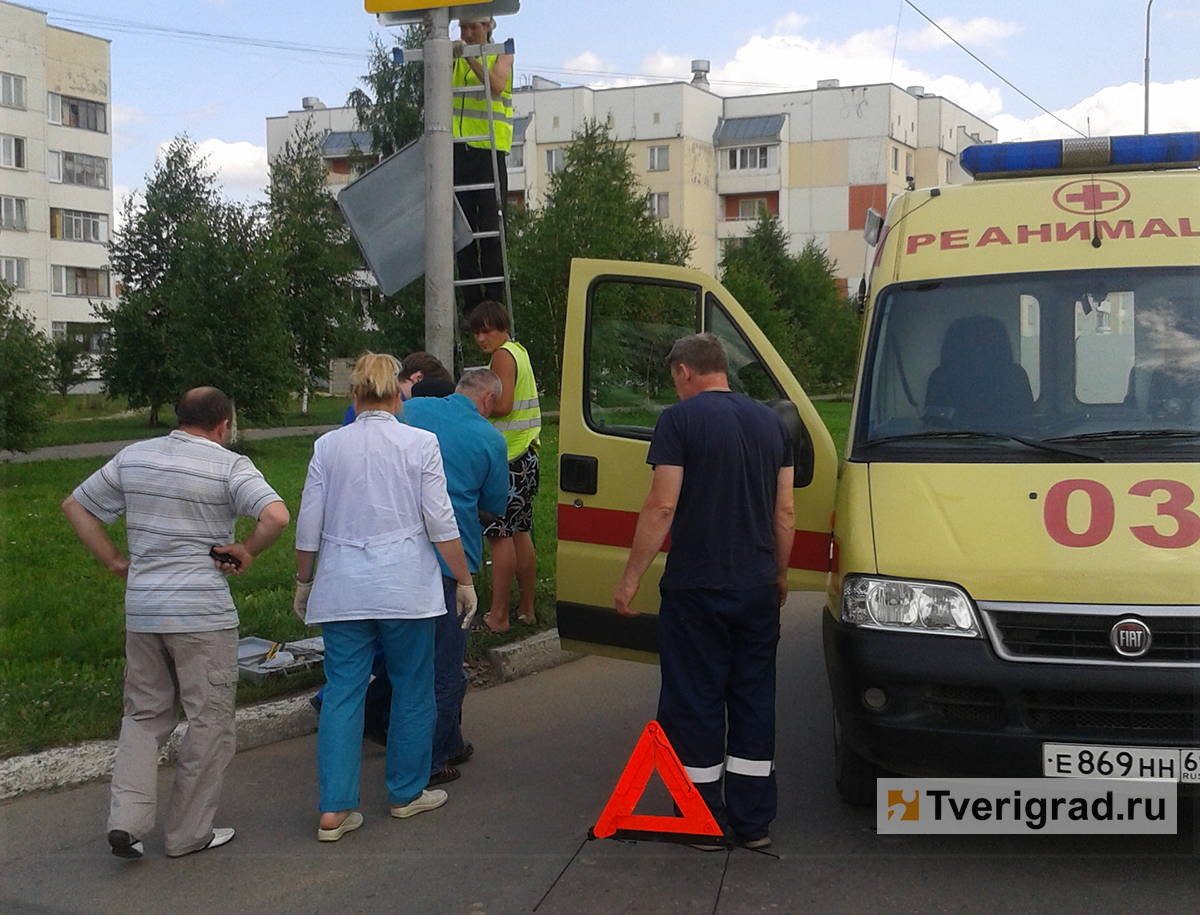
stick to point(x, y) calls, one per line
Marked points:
point(403, 12)
point(385, 209)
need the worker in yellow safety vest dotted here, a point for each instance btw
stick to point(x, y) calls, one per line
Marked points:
point(517, 415)
point(473, 161)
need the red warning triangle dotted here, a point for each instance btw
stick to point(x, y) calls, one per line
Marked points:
point(654, 751)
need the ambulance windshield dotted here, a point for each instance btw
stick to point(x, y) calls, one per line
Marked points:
point(1080, 365)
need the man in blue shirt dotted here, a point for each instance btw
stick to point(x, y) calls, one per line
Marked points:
point(475, 458)
point(722, 487)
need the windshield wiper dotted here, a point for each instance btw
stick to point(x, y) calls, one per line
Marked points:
point(992, 436)
point(1130, 435)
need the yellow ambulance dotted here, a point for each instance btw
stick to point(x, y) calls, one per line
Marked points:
point(1013, 565)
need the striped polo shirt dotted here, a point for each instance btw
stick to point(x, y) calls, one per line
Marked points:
point(180, 495)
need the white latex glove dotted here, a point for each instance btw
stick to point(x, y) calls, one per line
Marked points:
point(466, 602)
point(300, 601)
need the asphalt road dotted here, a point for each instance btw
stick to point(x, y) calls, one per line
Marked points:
point(549, 751)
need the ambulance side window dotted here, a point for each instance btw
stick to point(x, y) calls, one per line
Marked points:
point(747, 374)
point(1104, 348)
point(632, 325)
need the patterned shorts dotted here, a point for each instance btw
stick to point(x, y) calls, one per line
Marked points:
point(523, 477)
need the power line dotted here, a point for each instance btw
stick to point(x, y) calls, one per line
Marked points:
point(991, 69)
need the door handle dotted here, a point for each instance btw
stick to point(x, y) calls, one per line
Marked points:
point(578, 473)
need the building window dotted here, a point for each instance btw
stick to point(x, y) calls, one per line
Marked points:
point(660, 158)
point(554, 160)
point(908, 165)
point(516, 156)
point(660, 206)
point(752, 207)
point(77, 112)
point(75, 225)
point(54, 166)
point(88, 171)
point(747, 157)
point(895, 159)
point(82, 281)
point(12, 90)
point(13, 270)
point(949, 164)
point(12, 152)
point(92, 336)
point(12, 213)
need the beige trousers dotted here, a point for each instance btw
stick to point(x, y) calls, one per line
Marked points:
point(197, 670)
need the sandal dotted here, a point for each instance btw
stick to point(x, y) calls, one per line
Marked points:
point(448, 774)
point(467, 751)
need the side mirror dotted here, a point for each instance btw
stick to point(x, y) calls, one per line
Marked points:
point(872, 227)
point(802, 446)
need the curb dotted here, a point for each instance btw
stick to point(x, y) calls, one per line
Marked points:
point(257, 725)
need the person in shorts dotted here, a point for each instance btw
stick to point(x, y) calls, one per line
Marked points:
point(518, 417)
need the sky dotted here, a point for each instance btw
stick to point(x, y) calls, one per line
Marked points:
point(1081, 61)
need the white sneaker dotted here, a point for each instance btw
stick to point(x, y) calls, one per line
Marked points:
point(429, 800)
point(221, 835)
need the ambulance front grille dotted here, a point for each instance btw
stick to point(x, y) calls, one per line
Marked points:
point(1085, 637)
point(1067, 712)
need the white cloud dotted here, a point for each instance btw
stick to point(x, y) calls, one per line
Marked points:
point(588, 62)
point(120, 192)
point(1114, 111)
point(790, 24)
point(977, 32)
point(240, 167)
point(125, 121)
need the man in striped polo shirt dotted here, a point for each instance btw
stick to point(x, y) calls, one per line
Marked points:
point(180, 495)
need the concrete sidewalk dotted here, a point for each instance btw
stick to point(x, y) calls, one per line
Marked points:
point(106, 449)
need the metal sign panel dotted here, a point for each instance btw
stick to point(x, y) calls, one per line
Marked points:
point(406, 12)
point(385, 209)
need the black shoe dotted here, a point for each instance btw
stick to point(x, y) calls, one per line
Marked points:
point(467, 751)
point(315, 702)
point(124, 845)
point(442, 776)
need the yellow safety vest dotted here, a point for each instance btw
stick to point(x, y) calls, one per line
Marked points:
point(522, 427)
point(470, 108)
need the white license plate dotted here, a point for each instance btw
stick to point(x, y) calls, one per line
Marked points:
point(1074, 760)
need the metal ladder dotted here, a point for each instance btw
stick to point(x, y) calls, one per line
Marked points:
point(482, 51)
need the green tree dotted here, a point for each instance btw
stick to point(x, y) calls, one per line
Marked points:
point(595, 206)
point(146, 253)
point(796, 301)
point(317, 257)
point(25, 366)
point(69, 366)
point(392, 104)
point(230, 312)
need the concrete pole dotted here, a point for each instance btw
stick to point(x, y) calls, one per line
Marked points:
point(439, 189)
point(1146, 80)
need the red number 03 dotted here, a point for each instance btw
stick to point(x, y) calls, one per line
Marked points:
point(1103, 514)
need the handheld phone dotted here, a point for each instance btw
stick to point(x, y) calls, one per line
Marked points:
point(225, 558)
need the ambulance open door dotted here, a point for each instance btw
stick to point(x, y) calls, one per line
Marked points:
point(622, 319)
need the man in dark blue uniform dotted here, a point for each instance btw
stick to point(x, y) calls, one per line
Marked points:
point(723, 489)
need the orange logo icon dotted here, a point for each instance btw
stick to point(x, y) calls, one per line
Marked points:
point(905, 803)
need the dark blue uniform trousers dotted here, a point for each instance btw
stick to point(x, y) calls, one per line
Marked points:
point(717, 704)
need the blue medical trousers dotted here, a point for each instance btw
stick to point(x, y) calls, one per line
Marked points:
point(717, 654)
point(349, 652)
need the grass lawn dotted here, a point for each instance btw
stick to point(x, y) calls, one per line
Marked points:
point(95, 418)
point(62, 617)
point(836, 415)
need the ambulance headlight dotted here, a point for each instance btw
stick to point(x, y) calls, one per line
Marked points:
point(918, 606)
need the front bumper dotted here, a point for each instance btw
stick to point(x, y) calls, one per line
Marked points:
point(956, 709)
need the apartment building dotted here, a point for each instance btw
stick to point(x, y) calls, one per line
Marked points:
point(56, 198)
point(817, 158)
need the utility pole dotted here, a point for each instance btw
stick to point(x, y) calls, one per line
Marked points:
point(1146, 81)
point(439, 178)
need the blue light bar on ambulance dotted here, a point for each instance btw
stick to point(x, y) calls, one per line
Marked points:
point(1082, 156)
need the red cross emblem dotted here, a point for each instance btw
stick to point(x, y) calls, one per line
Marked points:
point(1091, 196)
